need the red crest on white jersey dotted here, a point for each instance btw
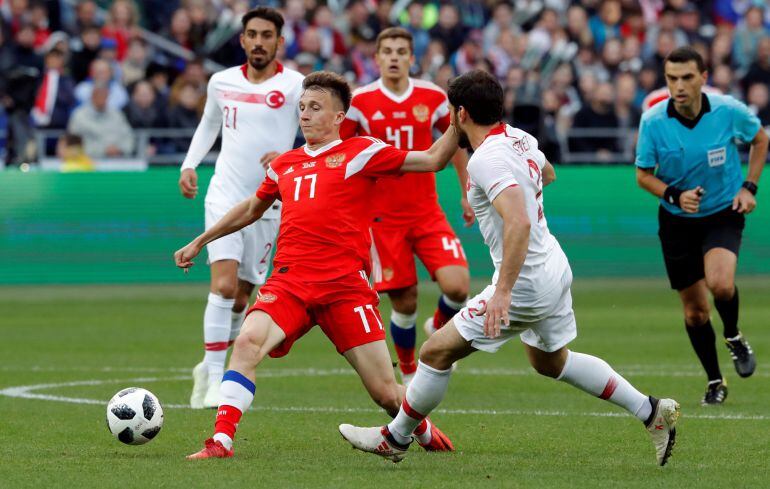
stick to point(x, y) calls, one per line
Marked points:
point(275, 99)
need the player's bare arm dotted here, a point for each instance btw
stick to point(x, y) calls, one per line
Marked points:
point(511, 207)
point(689, 200)
point(745, 202)
point(549, 174)
point(237, 218)
point(188, 183)
point(434, 158)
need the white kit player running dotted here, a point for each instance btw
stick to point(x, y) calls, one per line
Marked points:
point(254, 105)
point(530, 292)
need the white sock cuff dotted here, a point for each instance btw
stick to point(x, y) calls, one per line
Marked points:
point(428, 370)
point(234, 394)
point(402, 320)
point(566, 365)
point(454, 305)
point(219, 301)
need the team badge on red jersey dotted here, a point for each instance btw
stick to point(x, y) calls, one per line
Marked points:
point(267, 298)
point(421, 112)
point(387, 274)
point(335, 160)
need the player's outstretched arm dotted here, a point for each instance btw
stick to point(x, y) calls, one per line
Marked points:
point(436, 157)
point(511, 207)
point(237, 218)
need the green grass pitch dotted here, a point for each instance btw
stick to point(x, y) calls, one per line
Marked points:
point(511, 427)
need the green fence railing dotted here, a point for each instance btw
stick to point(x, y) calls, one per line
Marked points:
point(124, 227)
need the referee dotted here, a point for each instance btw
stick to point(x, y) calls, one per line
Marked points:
point(687, 156)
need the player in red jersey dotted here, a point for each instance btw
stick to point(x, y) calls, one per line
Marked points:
point(407, 217)
point(322, 259)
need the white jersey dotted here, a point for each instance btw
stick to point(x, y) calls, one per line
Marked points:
point(255, 119)
point(510, 157)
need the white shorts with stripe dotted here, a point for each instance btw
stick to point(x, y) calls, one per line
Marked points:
point(548, 323)
point(252, 247)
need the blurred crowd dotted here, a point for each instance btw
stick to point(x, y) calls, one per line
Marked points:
point(575, 73)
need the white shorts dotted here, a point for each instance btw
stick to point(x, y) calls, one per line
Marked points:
point(252, 247)
point(547, 325)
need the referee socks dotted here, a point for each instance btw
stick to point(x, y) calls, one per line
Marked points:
point(728, 311)
point(703, 342)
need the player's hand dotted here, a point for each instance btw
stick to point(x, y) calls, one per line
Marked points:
point(689, 201)
point(744, 202)
point(267, 158)
point(496, 313)
point(188, 183)
point(468, 215)
point(183, 257)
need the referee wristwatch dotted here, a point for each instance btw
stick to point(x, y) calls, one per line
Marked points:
point(751, 187)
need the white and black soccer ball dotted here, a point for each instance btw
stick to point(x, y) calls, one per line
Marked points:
point(134, 416)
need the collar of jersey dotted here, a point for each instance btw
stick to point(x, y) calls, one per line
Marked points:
point(689, 123)
point(320, 150)
point(245, 68)
point(392, 96)
point(498, 129)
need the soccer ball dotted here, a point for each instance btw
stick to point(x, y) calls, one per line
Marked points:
point(134, 416)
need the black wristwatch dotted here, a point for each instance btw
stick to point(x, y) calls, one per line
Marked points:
point(751, 187)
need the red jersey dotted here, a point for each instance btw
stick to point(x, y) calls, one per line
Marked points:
point(407, 122)
point(326, 212)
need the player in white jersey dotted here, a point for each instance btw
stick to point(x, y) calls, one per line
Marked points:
point(530, 291)
point(254, 105)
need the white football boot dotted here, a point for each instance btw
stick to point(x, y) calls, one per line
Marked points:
point(662, 427)
point(211, 400)
point(376, 440)
point(200, 376)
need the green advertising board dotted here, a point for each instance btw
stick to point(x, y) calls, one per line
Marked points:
point(124, 227)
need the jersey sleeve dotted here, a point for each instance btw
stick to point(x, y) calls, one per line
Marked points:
point(349, 128)
point(207, 131)
point(745, 124)
point(441, 116)
point(494, 175)
point(268, 190)
point(645, 149)
point(376, 160)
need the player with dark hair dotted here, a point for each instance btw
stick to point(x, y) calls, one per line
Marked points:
point(407, 218)
point(688, 158)
point(530, 292)
point(322, 263)
point(242, 103)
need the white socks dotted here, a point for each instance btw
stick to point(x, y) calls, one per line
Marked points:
point(425, 392)
point(236, 322)
point(403, 321)
point(217, 323)
point(594, 376)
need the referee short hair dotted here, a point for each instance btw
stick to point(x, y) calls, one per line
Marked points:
point(685, 54)
point(481, 95)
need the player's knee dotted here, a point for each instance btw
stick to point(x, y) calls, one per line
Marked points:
point(457, 291)
point(224, 287)
point(405, 302)
point(435, 357)
point(722, 290)
point(696, 315)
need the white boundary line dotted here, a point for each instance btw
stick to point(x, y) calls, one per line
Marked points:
point(29, 392)
point(628, 370)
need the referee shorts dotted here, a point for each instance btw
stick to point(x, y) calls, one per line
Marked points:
point(685, 240)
